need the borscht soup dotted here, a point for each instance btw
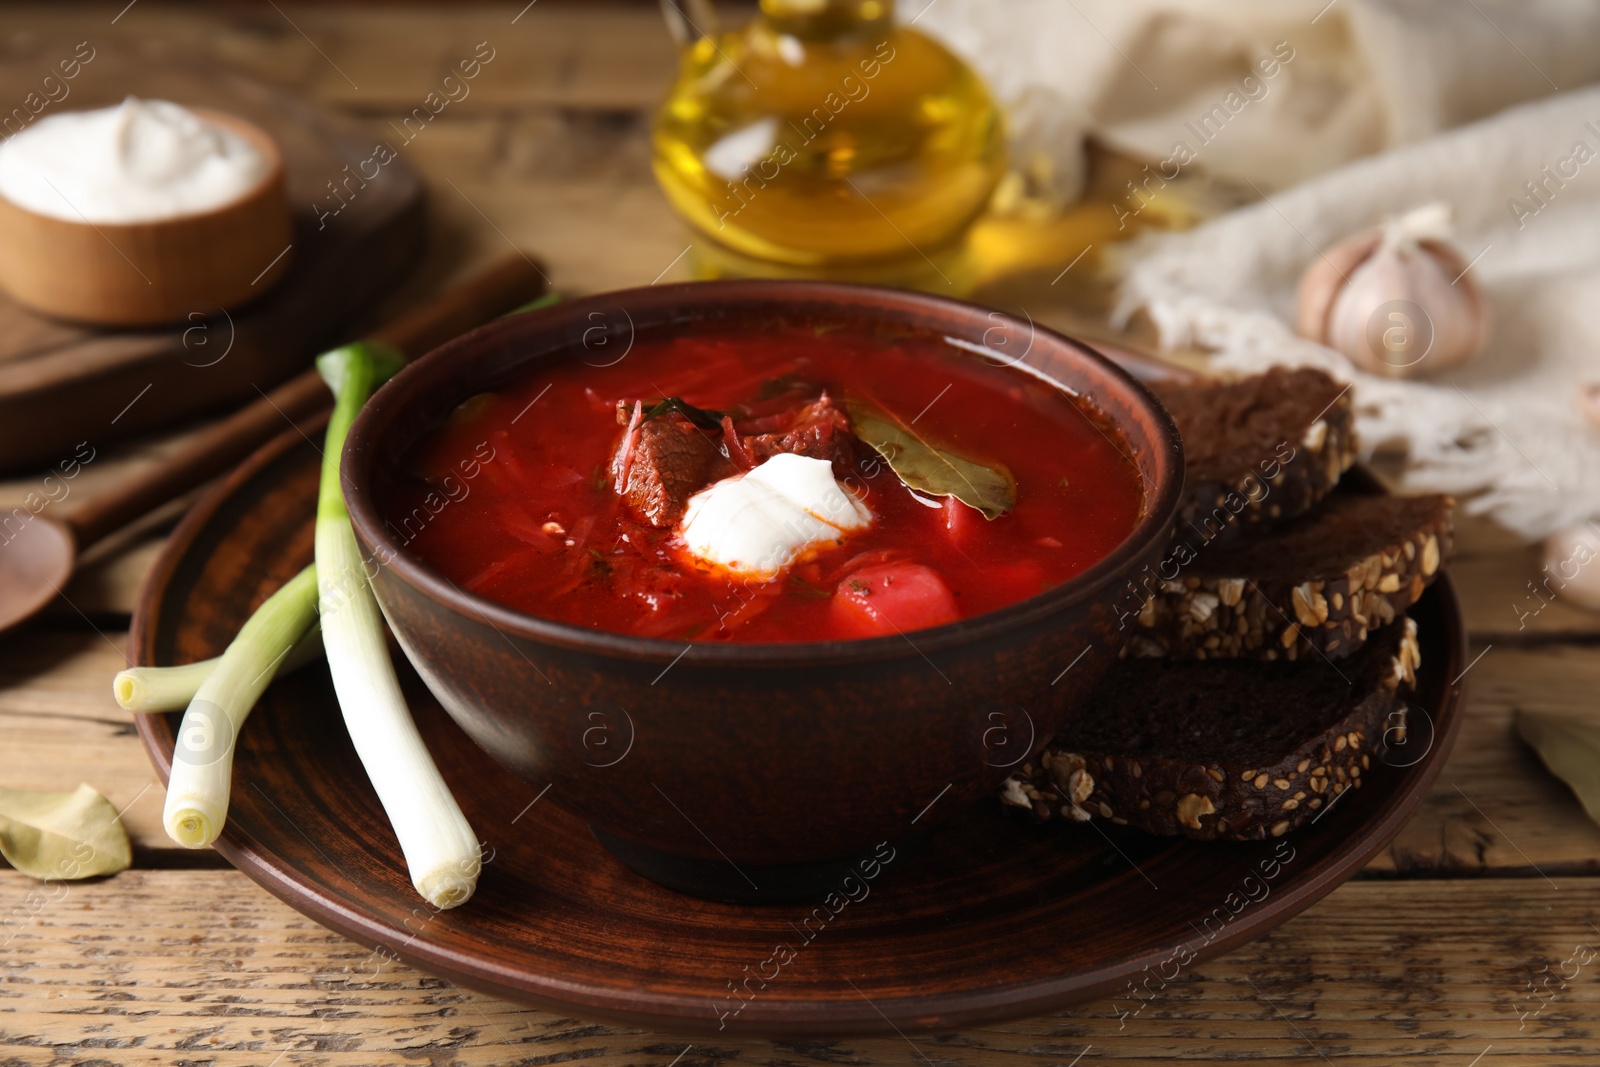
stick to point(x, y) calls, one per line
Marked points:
point(766, 485)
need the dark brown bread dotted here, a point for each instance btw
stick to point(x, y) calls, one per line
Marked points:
point(1322, 581)
point(1260, 449)
point(1223, 749)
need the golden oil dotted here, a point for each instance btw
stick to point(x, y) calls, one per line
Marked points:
point(825, 140)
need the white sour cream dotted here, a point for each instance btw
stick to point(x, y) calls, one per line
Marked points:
point(757, 523)
point(141, 161)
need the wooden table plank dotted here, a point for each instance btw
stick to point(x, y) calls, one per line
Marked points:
point(617, 58)
point(1498, 603)
point(576, 192)
point(1494, 807)
point(59, 726)
point(165, 966)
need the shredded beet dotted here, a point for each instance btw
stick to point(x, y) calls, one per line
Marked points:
point(737, 453)
point(622, 465)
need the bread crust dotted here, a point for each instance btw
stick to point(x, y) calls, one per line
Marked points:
point(1222, 800)
point(1297, 459)
point(1248, 616)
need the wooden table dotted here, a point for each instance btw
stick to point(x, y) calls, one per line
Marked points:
point(1446, 948)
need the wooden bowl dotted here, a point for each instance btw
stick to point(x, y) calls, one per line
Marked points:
point(756, 771)
point(147, 273)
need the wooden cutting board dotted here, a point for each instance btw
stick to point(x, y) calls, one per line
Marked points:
point(61, 383)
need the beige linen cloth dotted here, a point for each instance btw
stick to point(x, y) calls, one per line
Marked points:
point(1374, 107)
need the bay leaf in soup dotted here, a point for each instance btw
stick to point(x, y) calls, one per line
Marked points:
point(1570, 748)
point(62, 836)
point(928, 468)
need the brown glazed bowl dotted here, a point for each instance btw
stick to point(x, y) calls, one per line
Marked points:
point(747, 771)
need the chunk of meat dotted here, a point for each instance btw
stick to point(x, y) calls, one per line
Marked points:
point(662, 461)
point(660, 464)
point(818, 430)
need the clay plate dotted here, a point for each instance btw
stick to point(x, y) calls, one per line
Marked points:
point(989, 918)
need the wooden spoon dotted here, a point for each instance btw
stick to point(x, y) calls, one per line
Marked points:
point(37, 558)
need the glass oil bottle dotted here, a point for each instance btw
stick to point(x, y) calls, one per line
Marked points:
point(826, 140)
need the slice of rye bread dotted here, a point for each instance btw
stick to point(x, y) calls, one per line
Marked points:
point(1223, 749)
point(1260, 449)
point(1324, 580)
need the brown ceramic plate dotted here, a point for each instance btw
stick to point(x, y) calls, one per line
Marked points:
point(990, 918)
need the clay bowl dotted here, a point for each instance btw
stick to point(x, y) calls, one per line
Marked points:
point(148, 273)
point(754, 772)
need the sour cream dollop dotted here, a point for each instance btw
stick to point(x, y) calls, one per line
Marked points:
point(758, 523)
point(141, 161)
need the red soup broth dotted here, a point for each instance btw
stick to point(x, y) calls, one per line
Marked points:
point(510, 497)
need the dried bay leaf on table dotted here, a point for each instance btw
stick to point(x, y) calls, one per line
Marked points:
point(62, 835)
point(1570, 748)
point(929, 469)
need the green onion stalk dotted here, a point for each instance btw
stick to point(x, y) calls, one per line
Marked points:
point(441, 851)
point(151, 690)
point(202, 762)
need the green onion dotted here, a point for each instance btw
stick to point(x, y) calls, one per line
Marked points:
point(547, 300)
point(441, 851)
point(202, 763)
point(150, 690)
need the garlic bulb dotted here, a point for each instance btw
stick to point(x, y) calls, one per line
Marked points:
point(1397, 301)
point(1572, 563)
point(1589, 402)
